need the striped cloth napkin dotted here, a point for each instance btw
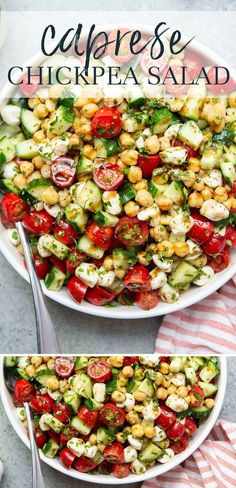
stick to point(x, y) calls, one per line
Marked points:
point(213, 465)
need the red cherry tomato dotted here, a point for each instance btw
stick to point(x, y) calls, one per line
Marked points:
point(131, 232)
point(38, 222)
point(148, 164)
point(99, 296)
point(67, 434)
point(13, 207)
point(194, 64)
point(114, 453)
point(137, 279)
point(62, 413)
point(124, 55)
point(42, 403)
point(166, 419)
point(191, 152)
point(40, 437)
point(129, 360)
point(108, 176)
point(5, 222)
point(42, 266)
point(190, 426)
point(175, 85)
point(74, 259)
point(99, 371)
point(121, 470)
point(215, 244)
point(180, 445)
point(58, 263)
point(63, 172)
point(64, 366)
point(176, 430)
point(146, 61)
point(84, 465)
point(27, 89)
point(106, 123)
point(126, 297)
point(220, 262)
point(105, 468)
point(65, 233)
point(230, 235)
point(67, 457)
point(202, 229)
point(147, 299)
point(23, 391)
point(111, 415)
point(100, 235)
point(219, 88)
point(89, 417)
point(198, 393)
point(77, 289)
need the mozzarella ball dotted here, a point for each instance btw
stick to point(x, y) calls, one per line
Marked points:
point(177, 404)
point(11, 114)
point(87, 272)
point(213, 210)
point(205, 275)
point(181, 224)
point(130, 454)
point(158, 278)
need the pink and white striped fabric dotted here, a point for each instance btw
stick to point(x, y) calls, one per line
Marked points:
point(213, 465)
point(204, 328)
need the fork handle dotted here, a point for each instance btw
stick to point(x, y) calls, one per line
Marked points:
point(38, 479)
point(46, 335)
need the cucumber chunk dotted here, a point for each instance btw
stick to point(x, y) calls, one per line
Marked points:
point(56, 247)
point(54, 279)
point(192, 108)
point(8, 130)
point(177, 192)
point(104, 218)
point(76, 215)
point(190, 134)
point(228, 172)
point(43, 376)
point(209, 372)
point(104, 436)
point(50, 449)
point(123, 259)
point(30, 123)
point(126, 192)
point(106, 147)
point(9, 185)
point(89, 248)
point(160, 120)
point(80, 426)
point(61, 120)
point(90, 197)
point(211, 155)
point(150, 453)
point(72, 400)
point(27, 149)
point(190, 375)
point(82, 385)
point(81, 362)
point(10, 361)
point(200, 412)
point(36, 188)
point(84, 166)
point(147, 387)
point(156, 189)
point(208, 388)
point(8, 147)
point(184, 274)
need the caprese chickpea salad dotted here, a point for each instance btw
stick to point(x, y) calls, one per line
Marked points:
point(114, 415)
point(126, 198)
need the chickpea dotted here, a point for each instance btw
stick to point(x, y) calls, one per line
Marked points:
point(89, 152)
point(41, 111)
point(101, 447)
point(74, 140)
point(198, 185)
point(123, 381)
point(128, 371)
point(216, 114)
point(20, 181)
point(171, 390)
point(26, 168)
point(164, 368)
point(64, 198)
point(93, 439)
point(20, 249)
point(50, 105)
point(120, 273)
point(194, 165)
point(152, 144)
point(165, 219)
point(108, 263)
point(42, 367)
point(164, 143)
point(139, 408)
point(159, 378)
point(63, 386)
point(182, 392)
point(36, 361)
point(126, 140)
point(53, 383)
point(149, 432)
point(143, 259)
point(133, 418)
point(34, 176)
point(206, 193)
point(166, 248)
point(162, 393)
point(118, 396)
point(38, 162)
point(166, 382)
point(139, 396)
point(50, 196)
point(230, 203)
point(46, 359)
point(46, 171)
point(181, 249)
point(129, 157)
point(131, 209)
point(55, 91)
point(137, 431)
point(39, 136)
point(220, 194)
point(51, 364)
point(135, 174)
point(141, 185)
point(32, 102)
point(164, 203)
point(30, 370)
point(144, 198)
point(116, 361)
point(209, 402)
point(195, 200)
point(89, 110)
point(232, 99)
point(189, 178)
point(159, 233)
point(121, 437)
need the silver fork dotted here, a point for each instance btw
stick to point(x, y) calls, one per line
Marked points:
point(38, 480)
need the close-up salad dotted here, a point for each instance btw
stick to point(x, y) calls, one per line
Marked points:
point(114, 415)
point(126, 197)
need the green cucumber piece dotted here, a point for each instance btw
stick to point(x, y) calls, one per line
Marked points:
point(126, 193)
point(177, 192)
point(208, 388)
point(55, 247)
point(106, 147)
point(72, 400)
point(84, 166)
point(160, 120)
point(200, 412)
point(151, 453)
point(10, 361)
point(50, 449)
point(104, 218)
point(184, 274)
point(78, 424)
point(29, 122)
point(104, 436)
point(190, 134)
point(192, 108)
point(81, 362)
point(90, 197)
point(9, 185)
point(61, 120)
point(8, 149)
point(147, 387)
point(76, 215)
point(36, 188)
point(89, 248)
point(123, 259)
point(156, 189)
point(208, 372)
point(211, 155)
point(54, 279)
point(43, 376)
point(228, 172)
point(27, 149)
point(9, 130)
point(92, 404)
point(190, 375)
point(82, 385)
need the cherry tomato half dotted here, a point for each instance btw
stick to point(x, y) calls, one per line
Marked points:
point(38, 222)
point(190, 426)
point(220, 262)
point(138, 279)
point(191, 152)
point(63, 172)
point(131, 232)
point(13, 207)
point(84, 465)
point(27, 89)
point(67, 457)
point(176, 430)
point(215, 244)
point(166, 419)
point(220, 87)
point(42, 403)
point(100, 235)
point(40, 437)
point(126, 297)
point(180, 445)
point(106, 123)
point(77, 289)
point(129, 360)
point(148, 164)
point(111, 415)
point(42, 266)
point(121, 470)
point(67, 434)
point(62, 413)
point(173, 80)
point(230, 235)
point(99, 371)
point(65, 232)
point(114, 453)
point(108, 176)
point(23, 391)
point(64, 366)
point(202, 229)
point(74, 259)
point(58, 263)
point(147, 299)
point(198, 393)
point(99, 296)
point(89, 417)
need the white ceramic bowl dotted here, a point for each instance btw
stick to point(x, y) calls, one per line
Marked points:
point(157, 470)
point(193, 295)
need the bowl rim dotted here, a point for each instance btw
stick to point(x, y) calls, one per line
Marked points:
point(192, 296)
point(157, 470)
